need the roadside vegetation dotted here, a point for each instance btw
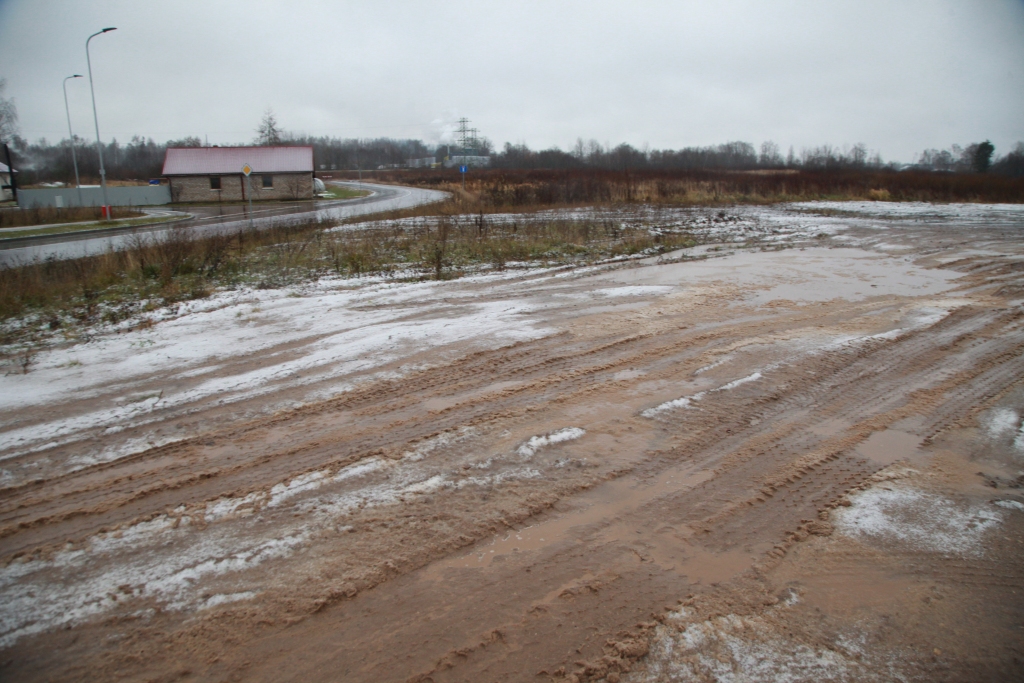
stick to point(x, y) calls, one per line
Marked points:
point(49, 298)
point(504, 189)
point(463, 235)
point(16, 218)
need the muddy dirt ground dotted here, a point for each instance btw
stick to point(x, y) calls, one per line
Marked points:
point(793, 455)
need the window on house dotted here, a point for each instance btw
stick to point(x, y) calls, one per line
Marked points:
point(215, 182)
point(268, 181)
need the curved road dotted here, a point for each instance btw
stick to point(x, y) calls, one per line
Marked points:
point(213, 219)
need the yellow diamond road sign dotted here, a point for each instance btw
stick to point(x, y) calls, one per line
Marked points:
point(247, 169)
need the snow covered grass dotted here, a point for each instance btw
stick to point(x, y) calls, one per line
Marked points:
point(54, 299)
point(72, 301)
point(988, 214)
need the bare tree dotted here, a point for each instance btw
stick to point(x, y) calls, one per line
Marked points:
point(294, 186)
point(268, 132)
point(1013, 163)
point(579, 150)
point(858, 155)
point(770, 155)
point(8, 115)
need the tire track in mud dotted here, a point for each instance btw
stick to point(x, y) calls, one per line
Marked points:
point(812, 483)
point(793, 522)
point(824, 480)
point(231, 475)
point(770, 478)
point(546, 372)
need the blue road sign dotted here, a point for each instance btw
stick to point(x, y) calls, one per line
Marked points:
point(462, 169)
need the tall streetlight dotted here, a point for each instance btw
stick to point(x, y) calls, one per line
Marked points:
point(71, 136)
point(99, 147)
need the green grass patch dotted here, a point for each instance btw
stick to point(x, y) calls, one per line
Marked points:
point(341, 192)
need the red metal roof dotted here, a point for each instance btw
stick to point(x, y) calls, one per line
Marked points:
point(213, 160)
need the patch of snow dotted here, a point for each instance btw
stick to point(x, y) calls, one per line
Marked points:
point(329, 333)
point(687, 401)
point(682, 402)
point(1002, 421)
point(427, 486)
point(711, 366)
point(753, 377)
point(734, 649)
point(535, 443)
point(910, 517)
point(307, 482)
point(222, 598)
point(428, 446)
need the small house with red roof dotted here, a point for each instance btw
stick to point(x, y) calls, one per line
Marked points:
point(216, 174)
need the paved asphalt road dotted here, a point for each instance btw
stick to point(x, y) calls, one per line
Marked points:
point(214, 219)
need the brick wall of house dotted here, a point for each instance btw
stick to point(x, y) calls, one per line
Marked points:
point(285, 186)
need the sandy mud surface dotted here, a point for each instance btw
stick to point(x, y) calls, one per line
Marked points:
point(794, 454)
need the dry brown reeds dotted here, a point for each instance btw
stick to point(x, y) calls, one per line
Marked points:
point(510, 189)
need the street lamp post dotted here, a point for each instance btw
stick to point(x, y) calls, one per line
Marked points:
point(71, 136)
point(95, 118)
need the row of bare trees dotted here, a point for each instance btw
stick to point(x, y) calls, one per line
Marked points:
point(977, 157)
point(142, 158)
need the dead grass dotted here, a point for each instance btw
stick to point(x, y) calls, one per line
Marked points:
point(461, 237)
point(509, 189)
point(118, 285)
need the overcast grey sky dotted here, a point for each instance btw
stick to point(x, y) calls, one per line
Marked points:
point(899, 76)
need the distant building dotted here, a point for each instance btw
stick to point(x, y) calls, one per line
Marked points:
point(214, 174)
point(467, 160)
point(425, 162)
point(5, 183)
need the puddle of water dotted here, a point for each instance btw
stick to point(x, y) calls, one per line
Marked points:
point(604, 504)
point(706, 567)
point(889, 445)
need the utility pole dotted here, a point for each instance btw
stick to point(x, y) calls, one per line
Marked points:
point(96, 120)
point(464, 137)
point(463, 134)
point(71, 136)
